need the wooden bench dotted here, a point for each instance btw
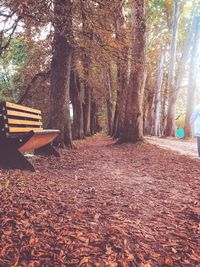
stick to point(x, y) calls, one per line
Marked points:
point(21, 130)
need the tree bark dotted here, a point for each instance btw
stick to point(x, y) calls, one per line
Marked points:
point(133, 124)
point(185, 56)
point(94, 125)
point(122, 71)
point(116, 114)
point(87, 110)
point(60, 72)
point(75, 95)
point(122, 93)
point(159, 95)
point(149, 113)
point(180, 75)
point(109, 104)
point(193, 72)
point(86, 60)
point(164, 105)
point(170, 126)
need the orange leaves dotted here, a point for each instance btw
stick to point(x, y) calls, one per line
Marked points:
point(33, 241)
point(80, 237)
point(108, 250)
point(8, 231)
point(129, 255)
point(62, 256)
point(96, 217)
point(118, 229)
point(174, 250)
point(145, 265)
point(168, 261)
point(153, 223)
point(194, 256)
point(83, 261)
point(10, 253)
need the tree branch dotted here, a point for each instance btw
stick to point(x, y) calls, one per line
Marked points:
point(44, 75)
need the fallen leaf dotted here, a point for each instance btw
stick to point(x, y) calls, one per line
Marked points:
point(96, 217)
point(129, 255)
point(195, 257)
point(8, 231)
point(7, 183)
point(174, 250)
point(108, 250)
point(169, 262)
point(119, 229)
point(145, 265)
point(84, 260)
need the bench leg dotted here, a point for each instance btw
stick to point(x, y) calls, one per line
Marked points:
point(11, 158)
point(47, 150)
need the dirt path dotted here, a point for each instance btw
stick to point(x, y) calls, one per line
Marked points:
point(102, 205)
point(183, 147)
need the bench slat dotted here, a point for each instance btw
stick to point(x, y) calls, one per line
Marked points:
point(22, 130)
point(22, 114)
point(24, 122)
point(24, 108)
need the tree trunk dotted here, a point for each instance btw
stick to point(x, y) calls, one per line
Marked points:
point(164, 104)
point(170, 126)
point(116, 114)
point(122, 94)
point(86, 60)
point(109, 104)
point(122, 63)
point(159, 95)
point(185, 56)
point(133, 125)
point(75, 95)
point(193, 72)
point(87, 96)
point(180, 75)
point(60, 72)
point(149, 113)
point(87, 110)
point(94, 127)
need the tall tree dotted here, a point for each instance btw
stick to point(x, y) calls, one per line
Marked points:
point(122, 69)
point(86, 61)
point(109, 104)
point(75, 95)
point(133, 123)
point(170, 126)
point(158, 94)
point(193, 71)
point(182, 67)
point(149, 108)
point(60, 72)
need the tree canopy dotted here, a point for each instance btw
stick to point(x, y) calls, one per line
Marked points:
point(102, 38)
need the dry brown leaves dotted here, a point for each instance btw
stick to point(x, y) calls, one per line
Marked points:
point(102, 205)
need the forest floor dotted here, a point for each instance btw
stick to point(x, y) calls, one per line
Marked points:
point(102, 205)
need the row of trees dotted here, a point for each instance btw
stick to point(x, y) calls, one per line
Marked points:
point(127, 66)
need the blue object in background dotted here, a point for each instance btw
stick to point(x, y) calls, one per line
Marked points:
point(180, 132)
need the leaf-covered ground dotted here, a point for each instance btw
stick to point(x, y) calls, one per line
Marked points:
point(102, 205)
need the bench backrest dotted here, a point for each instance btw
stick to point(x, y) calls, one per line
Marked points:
point(15, 119)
